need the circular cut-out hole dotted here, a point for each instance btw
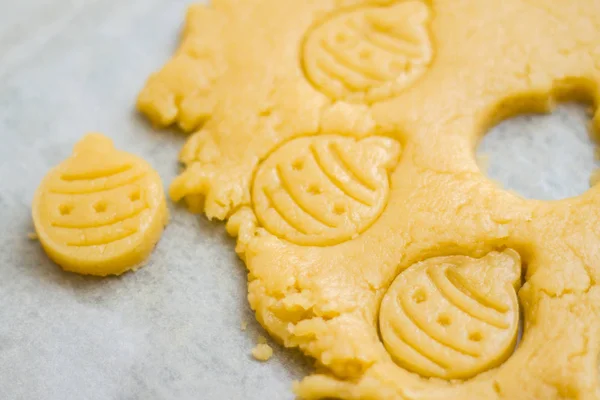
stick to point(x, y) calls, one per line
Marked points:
point(444, 320)
point(475, 337)
point(65, 209)
point(544, 157)
point(298, 165)
point(339, 209)
point(315, 190)
point(100, 207)
point(135, 195)
point(419, 296)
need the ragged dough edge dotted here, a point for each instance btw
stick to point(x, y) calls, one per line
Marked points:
point(204, 191)
point(293, 316)
point(181, 92)
point(215, 183)
point(218, 172)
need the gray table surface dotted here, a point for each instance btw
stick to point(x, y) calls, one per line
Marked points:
point(171, 330)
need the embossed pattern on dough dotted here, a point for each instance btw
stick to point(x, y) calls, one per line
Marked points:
point(453, 317)
point(324, 190)
point(101, 211)
point(318, 279)
point(369, 53)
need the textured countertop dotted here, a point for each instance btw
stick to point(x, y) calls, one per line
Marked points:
point(171, 330)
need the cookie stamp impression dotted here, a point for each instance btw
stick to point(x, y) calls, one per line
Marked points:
point(101, 211)
point(370, 53)
point(453, 317)
point(337, 139)
point(322, 191)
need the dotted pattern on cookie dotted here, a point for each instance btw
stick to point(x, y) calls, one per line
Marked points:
point(101, 211)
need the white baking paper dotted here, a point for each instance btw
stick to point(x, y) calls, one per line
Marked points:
point(172, 330)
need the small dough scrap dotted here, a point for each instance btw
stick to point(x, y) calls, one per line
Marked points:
point(100, 212)
point(262, 352)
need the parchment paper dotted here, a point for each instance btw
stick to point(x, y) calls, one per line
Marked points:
point(171, 330)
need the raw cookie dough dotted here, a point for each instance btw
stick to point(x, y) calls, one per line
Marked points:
point(452, 317)
point(100, 212)
point(377, 107)
point(262, 351)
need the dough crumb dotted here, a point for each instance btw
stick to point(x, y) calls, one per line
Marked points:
point(244, 325)
point(32, 236)
point(262, 340)
point(262, 352)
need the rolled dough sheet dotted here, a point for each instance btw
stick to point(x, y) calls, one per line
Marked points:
point(171, 330)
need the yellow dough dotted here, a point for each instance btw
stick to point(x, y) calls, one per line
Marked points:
point(338, 137)
point(369, 53)
point(324, 190)
point(100, 212)
point(262, 352)
point(452, 317)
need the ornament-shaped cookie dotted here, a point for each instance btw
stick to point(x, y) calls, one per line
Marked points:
point(369, 53)
point(101, 211)
point(453, 317)
point(324, 190)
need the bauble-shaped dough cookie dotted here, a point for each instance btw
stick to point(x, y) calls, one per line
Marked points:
point(453, 317)
point(324, 190)
point(369, 53)
point(101, 211)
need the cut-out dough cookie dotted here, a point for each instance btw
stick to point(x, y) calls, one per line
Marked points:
point(405, 88)
point(325, 190)
point(453, 317)
point(100, 212)
point(369, 53)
